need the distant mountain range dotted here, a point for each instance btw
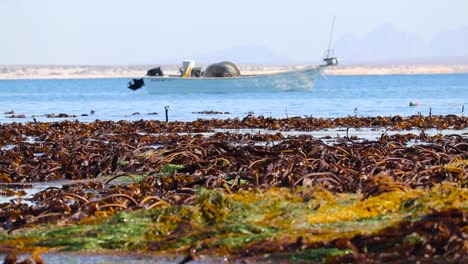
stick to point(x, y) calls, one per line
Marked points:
point(386, 44)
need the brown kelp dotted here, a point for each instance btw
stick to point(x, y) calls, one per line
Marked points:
point(153, 186)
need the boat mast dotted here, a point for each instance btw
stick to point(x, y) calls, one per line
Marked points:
point(329, 58)
point(331, 38)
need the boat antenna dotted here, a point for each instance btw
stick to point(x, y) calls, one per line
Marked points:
point(331, 38)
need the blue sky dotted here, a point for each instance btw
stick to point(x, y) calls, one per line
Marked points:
point(145, 31)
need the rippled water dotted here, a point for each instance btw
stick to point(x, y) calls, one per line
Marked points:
point(110, 99)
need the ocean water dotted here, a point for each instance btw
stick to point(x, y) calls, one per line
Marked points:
point(336, 96)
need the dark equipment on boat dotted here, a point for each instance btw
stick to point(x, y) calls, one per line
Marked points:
point(155, 72)
point(330, 61)
point(137, 84)
point(196, 72)
point(222, 69)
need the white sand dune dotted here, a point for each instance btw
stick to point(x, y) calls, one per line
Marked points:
point(9, 72)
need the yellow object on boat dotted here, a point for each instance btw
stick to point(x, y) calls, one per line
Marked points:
point(187, 72)
point(187, 67)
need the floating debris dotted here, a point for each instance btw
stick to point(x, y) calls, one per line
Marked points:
point(211, 112)
point(60, 115)
point(17, 116)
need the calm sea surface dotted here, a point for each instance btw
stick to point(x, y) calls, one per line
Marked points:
point(338, 96)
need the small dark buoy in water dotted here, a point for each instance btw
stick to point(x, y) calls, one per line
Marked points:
point(137, 84)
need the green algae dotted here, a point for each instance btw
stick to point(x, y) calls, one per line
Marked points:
point(171, 168)
point(122, 231)
point(166, 171)
point(217, 221)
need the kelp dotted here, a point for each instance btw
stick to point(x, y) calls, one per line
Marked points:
point(72, 150)
point(143, 186)
point(255, 221)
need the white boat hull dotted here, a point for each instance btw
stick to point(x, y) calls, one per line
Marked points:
point(292, 80)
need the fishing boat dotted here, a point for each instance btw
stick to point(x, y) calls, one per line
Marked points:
point(225, 77)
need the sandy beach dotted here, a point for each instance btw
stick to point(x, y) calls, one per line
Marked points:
point(11, 72)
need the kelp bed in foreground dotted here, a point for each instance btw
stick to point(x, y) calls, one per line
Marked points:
point(147, 187)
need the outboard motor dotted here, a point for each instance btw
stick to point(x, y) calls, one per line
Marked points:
point(155, 72)
point(222, 69)
point(137, 84)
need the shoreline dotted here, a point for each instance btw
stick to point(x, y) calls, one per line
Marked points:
point(24, 72)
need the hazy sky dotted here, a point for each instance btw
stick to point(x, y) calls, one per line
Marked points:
point(145, 31)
